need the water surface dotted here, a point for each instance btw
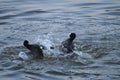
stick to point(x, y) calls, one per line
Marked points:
point(96, 23)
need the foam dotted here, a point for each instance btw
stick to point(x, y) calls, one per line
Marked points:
point(83, 55)
point(23, 55)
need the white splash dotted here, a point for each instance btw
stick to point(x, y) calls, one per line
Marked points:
point(23, 55)
point(51, 48)
point(83, 55)
point(49, 45)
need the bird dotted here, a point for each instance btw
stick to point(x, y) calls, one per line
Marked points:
point(68, 45)
point(35, 49)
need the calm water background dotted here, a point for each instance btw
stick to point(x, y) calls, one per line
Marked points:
point(96, 23)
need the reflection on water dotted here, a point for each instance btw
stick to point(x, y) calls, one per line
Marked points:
point(96, 23)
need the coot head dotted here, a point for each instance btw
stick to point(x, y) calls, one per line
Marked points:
point(72, 36)
point(26, 43)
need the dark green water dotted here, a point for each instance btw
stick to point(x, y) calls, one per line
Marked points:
point(96, 23)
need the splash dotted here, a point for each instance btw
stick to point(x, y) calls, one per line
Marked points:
point(83, 55)
point(49, 45)
point(51, 48)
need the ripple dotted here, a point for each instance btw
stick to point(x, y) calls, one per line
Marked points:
point(15, 67)
point(7, 9)
point(112, 13)
point(33, 75)
point(1, 69)
point(57, 73)
point(2, 43)
point(8, 16)
point(3, 23)
point(90, 4)
point(31, 12)
point(112, 7)
point(112, 62)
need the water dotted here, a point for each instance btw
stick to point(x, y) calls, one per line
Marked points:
point(96, 23)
